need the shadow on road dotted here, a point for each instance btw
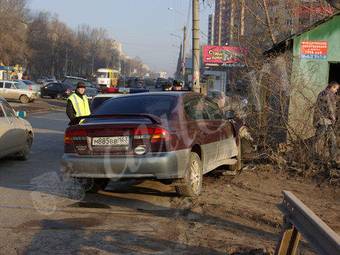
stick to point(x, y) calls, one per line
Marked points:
point(55, 238)
point(187, 215)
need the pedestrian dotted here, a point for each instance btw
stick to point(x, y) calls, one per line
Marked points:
point(78, 104)
point(324, 121)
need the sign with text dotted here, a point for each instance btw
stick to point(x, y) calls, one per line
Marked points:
point(314, 49)
point(223, 56)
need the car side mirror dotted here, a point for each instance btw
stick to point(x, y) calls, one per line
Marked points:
point(229, 115)
point(21, 114)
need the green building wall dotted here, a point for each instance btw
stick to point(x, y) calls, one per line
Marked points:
point(309, 77)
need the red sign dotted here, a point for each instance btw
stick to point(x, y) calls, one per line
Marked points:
point(306, 11)
point(223, 55)
point(314, 49)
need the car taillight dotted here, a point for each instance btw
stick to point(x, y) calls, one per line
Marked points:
point(155, 135)
point(75, 134)
point(160, 134)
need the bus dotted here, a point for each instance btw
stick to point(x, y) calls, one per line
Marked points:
point(107, 77)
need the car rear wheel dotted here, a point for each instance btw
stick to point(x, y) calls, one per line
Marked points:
point(24, 154)
point(24, 99)
point(192, 183)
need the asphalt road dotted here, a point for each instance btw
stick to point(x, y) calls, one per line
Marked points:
point(41, 214)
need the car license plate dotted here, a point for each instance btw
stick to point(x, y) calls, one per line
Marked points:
point(110, 141)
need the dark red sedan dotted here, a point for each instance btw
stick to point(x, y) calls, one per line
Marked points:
point(174, 137)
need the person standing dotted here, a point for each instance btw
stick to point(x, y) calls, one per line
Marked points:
point(324, 120)
point(78, 104)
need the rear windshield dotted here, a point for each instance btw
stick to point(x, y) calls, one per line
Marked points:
point(159, 105)
point(98, 101)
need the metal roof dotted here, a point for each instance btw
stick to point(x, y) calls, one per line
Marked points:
point(287, 43)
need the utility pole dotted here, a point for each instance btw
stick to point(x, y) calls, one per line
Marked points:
point(196, 46)
point(183, 52)
point(220, 24)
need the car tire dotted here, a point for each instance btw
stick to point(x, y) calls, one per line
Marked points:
point(24, 99)
point(24, 154)
point(191, 185)
point(238, 165)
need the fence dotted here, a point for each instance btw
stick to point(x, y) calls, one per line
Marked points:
point(301, 221)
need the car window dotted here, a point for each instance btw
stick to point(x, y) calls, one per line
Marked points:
point(71, 81)
point(212, 110)
point(49, 86)
point(1, 84)
point(159, 105)
point(55, 86)
point(8, 110)
point(21, 85)
point(98, 101)
point(8, 85)
point(28, 82)
point(194, 108)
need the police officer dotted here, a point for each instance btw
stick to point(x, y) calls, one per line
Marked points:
point(78, 104)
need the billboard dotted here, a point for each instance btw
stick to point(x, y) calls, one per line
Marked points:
point(314, 49)
point(223, 56)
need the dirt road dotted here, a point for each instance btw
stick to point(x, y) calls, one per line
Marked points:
point(232, 215)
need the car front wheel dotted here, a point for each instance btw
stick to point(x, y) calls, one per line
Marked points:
point(192, 183)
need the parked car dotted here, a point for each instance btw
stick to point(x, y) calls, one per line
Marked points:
point(16, 134)
point(113, 93)
point(56, 90)
point(13, 90)
point(160, 82)
point(46, 79)
point(30, 85)
point(91, 89)
point(168, 136)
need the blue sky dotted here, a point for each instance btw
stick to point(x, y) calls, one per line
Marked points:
point(143, 26)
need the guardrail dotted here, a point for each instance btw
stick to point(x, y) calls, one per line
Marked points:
point(300, 220)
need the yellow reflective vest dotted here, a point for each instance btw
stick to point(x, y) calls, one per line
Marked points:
point(80, 105)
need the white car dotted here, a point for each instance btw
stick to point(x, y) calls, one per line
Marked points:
point(17, 90)
point(16, 133)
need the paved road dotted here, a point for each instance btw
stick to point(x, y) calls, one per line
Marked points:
point(37, 217)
